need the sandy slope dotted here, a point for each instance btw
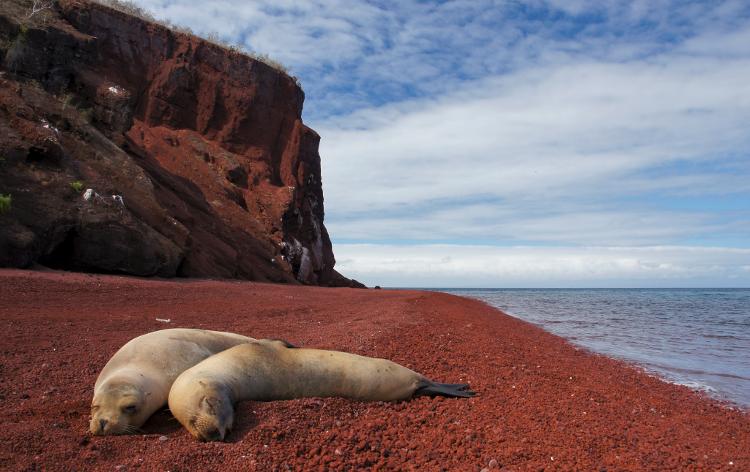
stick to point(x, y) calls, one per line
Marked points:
point(542, 404)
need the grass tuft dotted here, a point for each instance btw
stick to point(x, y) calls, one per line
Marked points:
point(131, 8)
point(5, 203)
point(77, 186)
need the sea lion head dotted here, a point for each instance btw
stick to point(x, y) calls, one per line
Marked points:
point(210, 412)
point(118, 407)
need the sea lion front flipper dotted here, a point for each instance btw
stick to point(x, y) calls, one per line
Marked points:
point(434, 389)
point(286, 343)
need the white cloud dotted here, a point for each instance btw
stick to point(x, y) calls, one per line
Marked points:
point(559, 137)
point(550, 224)
point(489, 266)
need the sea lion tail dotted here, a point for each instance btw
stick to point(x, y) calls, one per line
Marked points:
point(434, 389)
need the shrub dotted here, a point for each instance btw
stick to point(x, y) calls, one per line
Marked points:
point(5, 201)
point(40, 6)
point(131, 8)
point(77, 186)
point(186, 30)
point(68, 100)
point(87, 114)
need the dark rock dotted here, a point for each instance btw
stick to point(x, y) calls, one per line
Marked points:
point(48, 151)
point(238, 176)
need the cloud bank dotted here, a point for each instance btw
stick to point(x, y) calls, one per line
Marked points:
point(463, 266)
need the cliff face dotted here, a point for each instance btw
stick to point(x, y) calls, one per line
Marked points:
point(217, 174)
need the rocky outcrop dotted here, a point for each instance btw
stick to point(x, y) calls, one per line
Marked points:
point(196, 157)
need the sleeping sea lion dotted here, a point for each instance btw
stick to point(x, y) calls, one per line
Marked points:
point(203, 397)
point(136, 380)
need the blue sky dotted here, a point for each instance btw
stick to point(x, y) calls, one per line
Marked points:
point(519, 143)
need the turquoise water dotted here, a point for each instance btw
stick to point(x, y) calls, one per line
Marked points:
point(695, 337)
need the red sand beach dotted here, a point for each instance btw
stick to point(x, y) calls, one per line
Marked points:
point(543, 404)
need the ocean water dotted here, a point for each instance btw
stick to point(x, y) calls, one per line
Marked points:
point(694, 337)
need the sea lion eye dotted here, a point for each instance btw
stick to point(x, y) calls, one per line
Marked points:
point(130, 409)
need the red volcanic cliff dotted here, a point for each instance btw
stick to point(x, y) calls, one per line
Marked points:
point(218, 175)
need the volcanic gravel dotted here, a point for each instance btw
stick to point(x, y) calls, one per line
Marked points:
point(542, 404)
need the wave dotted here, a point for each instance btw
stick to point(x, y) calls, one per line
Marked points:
point(723, 336)
point(681, 370)
point(695, 385)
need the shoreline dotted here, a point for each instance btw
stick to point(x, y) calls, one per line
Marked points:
point(707, 375)
point(543, 402)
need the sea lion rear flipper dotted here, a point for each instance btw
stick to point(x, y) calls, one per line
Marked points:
point(434, 389)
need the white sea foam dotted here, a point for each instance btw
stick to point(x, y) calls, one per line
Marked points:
point(695, 385)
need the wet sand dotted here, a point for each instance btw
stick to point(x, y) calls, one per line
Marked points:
point(543, 404)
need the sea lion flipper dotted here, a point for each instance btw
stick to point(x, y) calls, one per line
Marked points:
point(434, 389)
point(286, 343)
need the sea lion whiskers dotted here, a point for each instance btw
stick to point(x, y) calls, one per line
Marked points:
point(128, 429)
point(206, 428)
point(117, 405)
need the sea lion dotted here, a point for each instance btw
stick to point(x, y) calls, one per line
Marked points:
point(203, 397)
point(136, 380)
